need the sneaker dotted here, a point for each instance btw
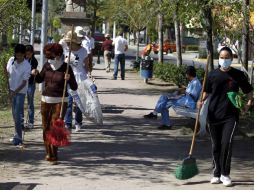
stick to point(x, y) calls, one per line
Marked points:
point(113, 78)
point(30, 126)
point(78, 127)
point(15, 141)
point(215, 180)
point(226, 180)
point(165, 127)
point(68, 127)
point(150, 116)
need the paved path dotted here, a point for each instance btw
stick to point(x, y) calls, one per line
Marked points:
point(127, 152)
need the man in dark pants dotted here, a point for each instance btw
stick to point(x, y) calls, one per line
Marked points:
point(223, 112)
point(121, 46)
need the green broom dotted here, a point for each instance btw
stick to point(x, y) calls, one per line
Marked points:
point(189, 168)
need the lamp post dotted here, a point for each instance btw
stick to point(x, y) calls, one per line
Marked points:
point(33, 22)
point(44, 35)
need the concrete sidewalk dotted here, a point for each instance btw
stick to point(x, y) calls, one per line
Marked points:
point(127, 152)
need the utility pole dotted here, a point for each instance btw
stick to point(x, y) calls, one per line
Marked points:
point(33, 22)
point(44, 31)
point(114, 30)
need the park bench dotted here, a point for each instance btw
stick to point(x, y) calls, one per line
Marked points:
point(187, 112)
point(192, 113)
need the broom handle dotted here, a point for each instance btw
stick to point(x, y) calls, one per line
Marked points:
point(66, 72)
point(200, 98)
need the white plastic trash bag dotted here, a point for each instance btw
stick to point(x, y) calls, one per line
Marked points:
point(77, 100)
point(89, 99)
point(203, 116)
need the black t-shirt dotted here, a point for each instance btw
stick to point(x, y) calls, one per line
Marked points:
point(218, 84)
point(34, 64)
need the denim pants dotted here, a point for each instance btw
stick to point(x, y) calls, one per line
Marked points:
point(162, 106)
point(17, 110)
point(30, 101)
point(68, 115)
point(119, 58)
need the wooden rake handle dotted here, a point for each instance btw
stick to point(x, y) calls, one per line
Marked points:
point(199, 109)
point(66, 72)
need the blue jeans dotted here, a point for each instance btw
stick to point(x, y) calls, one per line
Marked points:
point(162, 106)
point(119, 58)
point(68, 115)
point(17, 110)
point(30, 101)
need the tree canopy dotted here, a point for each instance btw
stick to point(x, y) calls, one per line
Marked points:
point(12, 13)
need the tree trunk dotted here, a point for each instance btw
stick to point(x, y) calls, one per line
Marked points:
point(182, 35)
point(135, 37)
point(145, 36)
point(245, 37)
point(209, 31)
point(94, 17)
point(160, 34)
point(137, 53)
point(129, 38)
point(179, 60)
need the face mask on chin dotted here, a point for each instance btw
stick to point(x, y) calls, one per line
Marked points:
point(52, 61)
point(55, 61)
point(225, 63)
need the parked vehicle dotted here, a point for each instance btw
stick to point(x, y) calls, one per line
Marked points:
point(168, 47)
point(99, 38)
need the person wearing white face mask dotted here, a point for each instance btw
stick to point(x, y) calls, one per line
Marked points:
point(223, 112)
point(54, 76)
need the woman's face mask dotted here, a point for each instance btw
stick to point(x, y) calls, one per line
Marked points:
point(225, 63)
point(55, 60)
point(52, 61)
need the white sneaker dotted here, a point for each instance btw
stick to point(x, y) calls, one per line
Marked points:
point(226, 180)
point(78, 127)
point(215, 180)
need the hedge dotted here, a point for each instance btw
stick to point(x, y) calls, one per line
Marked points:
point(4, 57)
point(169, 72)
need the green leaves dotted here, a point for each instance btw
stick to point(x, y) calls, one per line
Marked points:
point(4, 57)
point(137, 14)
point(12, 13)
point(56, 23)
point(170, 72)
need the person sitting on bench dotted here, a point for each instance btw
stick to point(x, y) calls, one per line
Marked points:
point(188, 99)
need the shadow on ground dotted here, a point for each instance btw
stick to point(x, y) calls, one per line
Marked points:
point(17, 186)
point(127, 149)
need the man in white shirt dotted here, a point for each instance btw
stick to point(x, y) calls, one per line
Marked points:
point(19, 70)
point(121, 46)
point(88, 44)
point(90, 41)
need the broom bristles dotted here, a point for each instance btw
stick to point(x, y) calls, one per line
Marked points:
point(187, 170)
point(58, 135)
